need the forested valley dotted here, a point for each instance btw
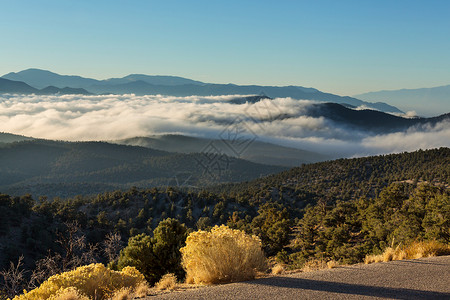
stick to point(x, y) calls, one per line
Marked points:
point(340, 210)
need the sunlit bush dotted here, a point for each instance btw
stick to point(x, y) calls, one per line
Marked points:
point(222, 255)
point(94, 281)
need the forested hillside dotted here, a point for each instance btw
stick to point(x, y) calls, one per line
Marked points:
point(52, 168)
point(341, 210)
point(257, 151)
point(346, 179)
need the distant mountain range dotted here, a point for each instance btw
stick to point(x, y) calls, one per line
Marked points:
point(19, 87)
point(42, 78)
point(425, 101)
point(167, 85)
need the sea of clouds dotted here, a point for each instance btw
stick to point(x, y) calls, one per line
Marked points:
point(281, 121)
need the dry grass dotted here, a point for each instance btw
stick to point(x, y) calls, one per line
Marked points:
point(319, 264)
point(123, 294)
point(153, 291)
point(388, 254)
point(142, 290)
point(332, 264)
point(426, 249)
point(129, 293)
point(278, 269)
point(411, 251)
point(167, 282)
point(222, 255)
point(314, 265)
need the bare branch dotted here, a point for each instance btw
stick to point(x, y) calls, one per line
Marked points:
point(113, 244)
point(14, 278)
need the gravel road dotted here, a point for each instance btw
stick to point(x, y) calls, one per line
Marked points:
point(425, 278)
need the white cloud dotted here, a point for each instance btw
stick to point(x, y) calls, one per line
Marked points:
point(282, 120)
point(429, 137)
point(409, 114)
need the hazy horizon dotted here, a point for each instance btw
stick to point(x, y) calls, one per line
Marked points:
point(196, 79)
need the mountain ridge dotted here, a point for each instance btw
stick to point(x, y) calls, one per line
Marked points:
point(156, 79)
point(12, 86)
point(179, 86)
point(19, 87)
point(414, 99)
point(370, 120)
point(257, 151)
point(37, 78)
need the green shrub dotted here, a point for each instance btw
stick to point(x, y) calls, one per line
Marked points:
point(272, 225)
point(157, 255)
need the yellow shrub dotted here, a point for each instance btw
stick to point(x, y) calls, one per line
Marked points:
point(222, 255)
point(92, 281)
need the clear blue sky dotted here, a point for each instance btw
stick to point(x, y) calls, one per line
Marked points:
point(343, 47)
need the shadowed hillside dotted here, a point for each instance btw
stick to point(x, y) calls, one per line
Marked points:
point(45, 167)
point(258, 152)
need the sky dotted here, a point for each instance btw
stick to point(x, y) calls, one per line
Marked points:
point(342, 47)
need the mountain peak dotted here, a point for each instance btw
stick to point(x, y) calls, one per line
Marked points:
point(39, 79)
point(165, 80)
point(36, 70)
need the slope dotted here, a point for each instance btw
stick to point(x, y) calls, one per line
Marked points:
point(40, 166)
point(370, 120)
point(345, 179)
point(11, 138)
point(257, 151)
point(15, 87)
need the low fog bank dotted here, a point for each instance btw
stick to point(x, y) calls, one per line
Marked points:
point(281, 121)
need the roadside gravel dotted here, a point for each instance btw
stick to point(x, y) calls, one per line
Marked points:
point(425, 278)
